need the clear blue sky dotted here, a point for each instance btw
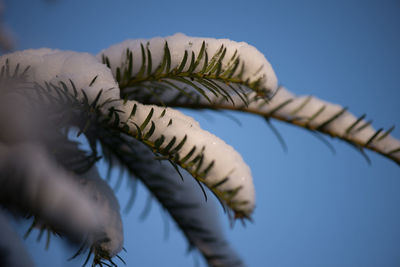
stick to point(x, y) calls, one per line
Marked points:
point(314, 208)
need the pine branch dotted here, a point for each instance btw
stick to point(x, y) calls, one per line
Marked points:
point(158, 130)
point(218, 67)
point(179, 139)
point(168, 133)
point(43, 114)
point(179, 71)
point(182, 199)
point(312, 114)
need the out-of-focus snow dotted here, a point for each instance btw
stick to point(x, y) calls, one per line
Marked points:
point(53, 66)
point(110, 226)
point(31, 182)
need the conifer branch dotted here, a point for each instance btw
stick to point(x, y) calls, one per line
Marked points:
point(172, 138)
point(312, 114)
point(107, 104)
point(207, 65)
point(90, 120)
point(176, 196)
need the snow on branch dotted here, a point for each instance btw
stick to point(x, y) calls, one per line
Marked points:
point(167, 131)
point(83, 91)
point(313, 114)
point(182, 198)
point(82, 206)
point(219, 66)
point(51, 67)
point(331, 119)
point(210, 160)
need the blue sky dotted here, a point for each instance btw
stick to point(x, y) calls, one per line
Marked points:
point(314, 208)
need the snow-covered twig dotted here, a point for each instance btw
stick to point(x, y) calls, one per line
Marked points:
point(167, 131)
point(313, 114)
point(220, 66)
point(205, 156)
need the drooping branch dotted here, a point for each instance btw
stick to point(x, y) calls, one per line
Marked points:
point(183, 199)
point(313, 114)
point(169, 133)
point(176, 71)
point(208, 65)
point(59, 187)
point(179, 139)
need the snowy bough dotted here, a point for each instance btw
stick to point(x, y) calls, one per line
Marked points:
point(122, 101)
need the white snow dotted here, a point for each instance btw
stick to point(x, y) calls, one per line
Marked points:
point(255, 64)
point(53, 66)
point(314, 112)
point(305, 108)
point(91, 207)
point(227, 161)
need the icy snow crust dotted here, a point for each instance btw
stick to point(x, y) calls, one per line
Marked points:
point(256, 65)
